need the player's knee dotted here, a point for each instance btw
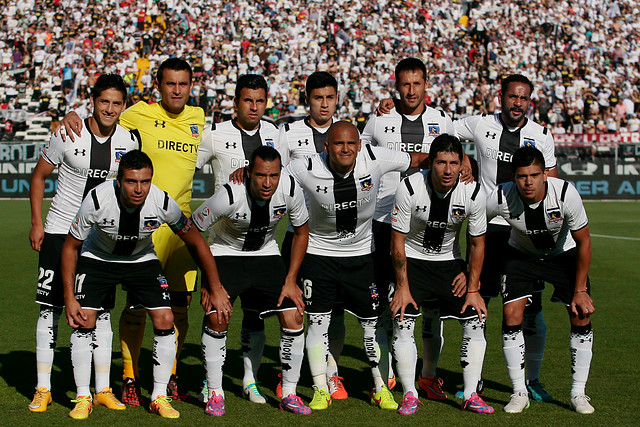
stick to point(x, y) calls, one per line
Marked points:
point(513, 313)
point(291, 319)
point(211, 321)
point(162, 319)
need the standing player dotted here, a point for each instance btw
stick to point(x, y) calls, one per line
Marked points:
point(410, 127)
point(244, 218)
point(549, 241)
point(170, 132)
point(82, 166)
point(430, 209)
point(114, 226)
point(496, 138)
point(341, 185)
point(228, 150)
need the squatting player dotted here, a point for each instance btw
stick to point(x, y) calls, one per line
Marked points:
point(341, 186)
point(83, 165)
point(430, 209)
point(549, 241)
point(170, 132)
point(113, 227)
point(244, 217)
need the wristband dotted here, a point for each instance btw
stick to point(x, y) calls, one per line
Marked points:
point(472, 292)
point(579, 292)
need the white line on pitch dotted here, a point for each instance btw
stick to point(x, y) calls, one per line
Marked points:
point(616, 237)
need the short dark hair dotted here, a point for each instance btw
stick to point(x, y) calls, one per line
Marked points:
point(445, 143)
point(175, 64)
point(251, 81)
point(319, 80)
point(515, 78)
point(526, 156)
point(410, 64)
point(134, 159)
point(266, 153)
point(109, 81)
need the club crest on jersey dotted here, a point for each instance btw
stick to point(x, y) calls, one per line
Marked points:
point(194, 131)
point(457, 212)
point(366, 184)
point(434, 130)
point(279, 212)
point(269, 142)
point(203, 214)
point(554, 215)
point(119, 155)
point(150, 224)
point(162, 281)
point(529, 142)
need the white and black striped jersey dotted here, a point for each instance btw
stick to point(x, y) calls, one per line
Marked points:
point(230, 148)
point(543, 229)
point(300, 139)
point(82, 165)
point(432, 221)
point(246, 227)
point(411, 134)
point(496, 143)
point(114, 233)
point(341, 208)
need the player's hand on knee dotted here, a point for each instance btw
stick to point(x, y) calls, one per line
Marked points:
point(459, 284)
point(401, 299)
point(76, 316)
point(292, 291)
point(477, 302)
point(582, 305)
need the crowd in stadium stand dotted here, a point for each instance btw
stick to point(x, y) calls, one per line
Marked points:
point(583, 55)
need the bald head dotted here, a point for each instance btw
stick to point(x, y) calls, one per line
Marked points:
point(342, 146)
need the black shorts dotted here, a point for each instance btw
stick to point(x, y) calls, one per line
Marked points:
point(257, 280)
point(385, 274)
point(430, 283)
point(50, 291)
point(522, 271)
point(496, 249)
point(326, 280)
point(96, 283)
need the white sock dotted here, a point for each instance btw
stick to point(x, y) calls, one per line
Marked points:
point(535, 336)
point(336, 344)
point(81, 347)
point(291, 355)
point(214, 352)
point(580, 345)
point(472, 354)
point(377, 351)
point(46, 339)
point(406, 353)
point(164, 353)
point(252, 348)
point(102, 350)
point(432, 341)
point(317, 344)
point(513, 348)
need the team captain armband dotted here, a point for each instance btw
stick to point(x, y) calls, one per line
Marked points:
point(183, 226)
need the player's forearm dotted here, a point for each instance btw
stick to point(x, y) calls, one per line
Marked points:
point(298, 249)
point(68, 263)
point(36, 194)
point(201, 253)
point(399, 261)
point(583, 264)
point(419, 160)
point(476, 258)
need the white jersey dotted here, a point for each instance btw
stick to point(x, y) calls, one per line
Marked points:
point(411, 134)
point(246, 227)
point(543, 229)
point(230, 148)
point(496, 143)
point(341, 208)
point(432, 221)
point(300, 139)
point(82, 165)
point(114, 233)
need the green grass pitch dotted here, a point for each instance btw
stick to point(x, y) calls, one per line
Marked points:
point(613, 382)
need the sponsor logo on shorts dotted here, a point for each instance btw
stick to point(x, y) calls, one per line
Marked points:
point(194, 131)
point(373, 290)
point(366, 184)
point(554, 215)
point(162, 281)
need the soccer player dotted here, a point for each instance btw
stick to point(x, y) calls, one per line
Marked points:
point(244, 218)
point(306, 137)
point(430, 209)
point(170, 132)
point(549, 241)
point(410, 126)
point(228, 150)
point(496, 138)
point(341, 186)
point(113, 227)
point(92, 159)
